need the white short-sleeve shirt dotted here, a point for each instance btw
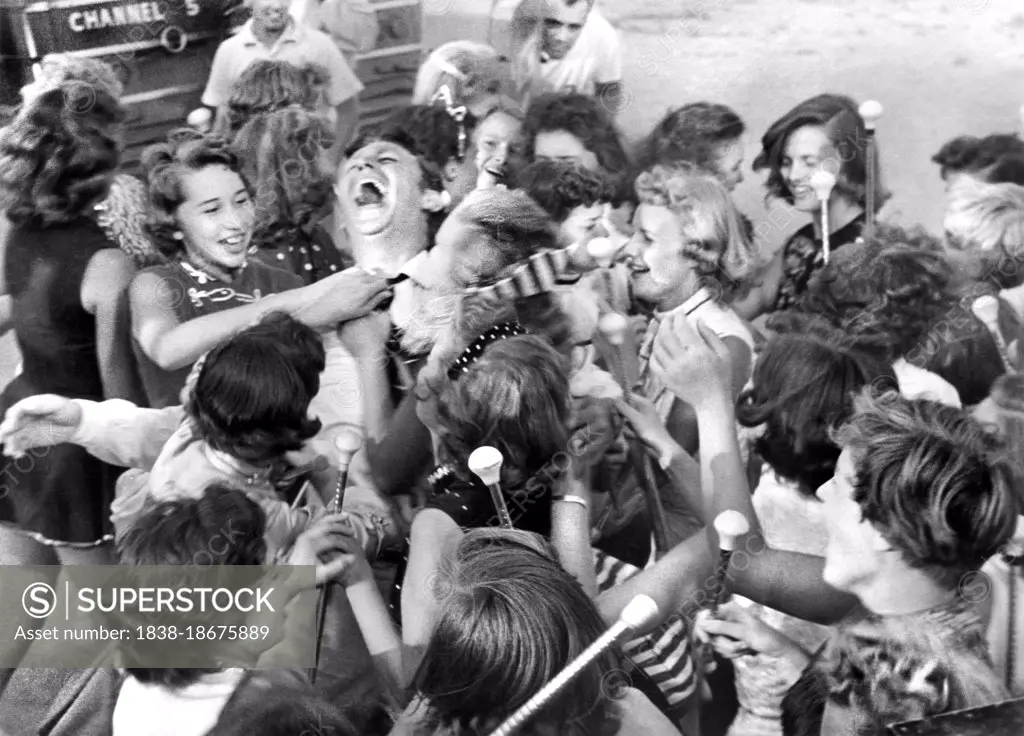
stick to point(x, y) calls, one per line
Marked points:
point(595, 59)
point(298, 45)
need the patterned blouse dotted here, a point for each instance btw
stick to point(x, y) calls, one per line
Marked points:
point(804, 255)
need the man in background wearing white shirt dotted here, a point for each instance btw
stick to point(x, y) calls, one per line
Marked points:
point(272, 33)
point(565, 46)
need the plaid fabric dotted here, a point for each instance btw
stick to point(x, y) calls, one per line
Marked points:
point(664, 654)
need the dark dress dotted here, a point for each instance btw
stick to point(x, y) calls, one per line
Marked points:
point(61, 494)
point(193, 293)
point(803, 257)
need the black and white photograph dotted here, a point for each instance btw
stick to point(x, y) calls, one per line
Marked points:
point(511, 367)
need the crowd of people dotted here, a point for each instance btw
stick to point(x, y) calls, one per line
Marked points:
point(499, 265)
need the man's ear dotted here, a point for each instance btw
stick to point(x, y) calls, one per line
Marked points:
point(451, 170)
point(434, 201)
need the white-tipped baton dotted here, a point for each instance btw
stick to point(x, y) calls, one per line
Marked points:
point(822, 182)
point(485, 463)
point(637, 614)
point(347, 444)
point(730, 525)
point(870, 112)
point(986, 309)
point(615, 329)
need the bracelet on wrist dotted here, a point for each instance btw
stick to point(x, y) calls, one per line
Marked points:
point(578, 500)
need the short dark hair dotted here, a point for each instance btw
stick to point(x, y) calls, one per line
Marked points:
point(427, 131)
point(937, 484)
point(222, 527)
point(892, 285)
point(583, 117)
point(973, 155)
point(58, 156)
point(180, 532)
point(691, 134)
point(803, 388)
point(840, 117)
point(898, 289)
point(251, 398)
point(165, 165)
point(562, 186)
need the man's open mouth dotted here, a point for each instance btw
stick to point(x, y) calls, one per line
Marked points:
point(373, 205)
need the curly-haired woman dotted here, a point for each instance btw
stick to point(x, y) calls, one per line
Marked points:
point(823, 133)
point(67, 286)
point(203, 218)
point(284, 157)
point(122, 214)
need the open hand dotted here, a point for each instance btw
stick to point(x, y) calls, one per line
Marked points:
point(692, 362)
point(39, 421)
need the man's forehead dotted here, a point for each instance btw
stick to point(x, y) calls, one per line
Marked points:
point(376, 148)
point(562, 12)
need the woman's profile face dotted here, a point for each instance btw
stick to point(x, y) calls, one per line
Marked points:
point(807, 150)
point(217, 216)
point(853, 556)
point(561, 145)
point(659, 272)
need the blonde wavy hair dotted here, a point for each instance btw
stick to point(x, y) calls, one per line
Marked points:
point(986, 221)
point(715, 236)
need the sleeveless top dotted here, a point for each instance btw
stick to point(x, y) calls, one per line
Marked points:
point(193, 293)
point(56, 336)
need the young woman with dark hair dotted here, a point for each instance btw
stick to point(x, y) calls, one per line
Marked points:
point(822, 133)
point(66, 283)
point(573, 127)
point(283, 155)
point(512, 619)
point(702, 134)
point(203, 218)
